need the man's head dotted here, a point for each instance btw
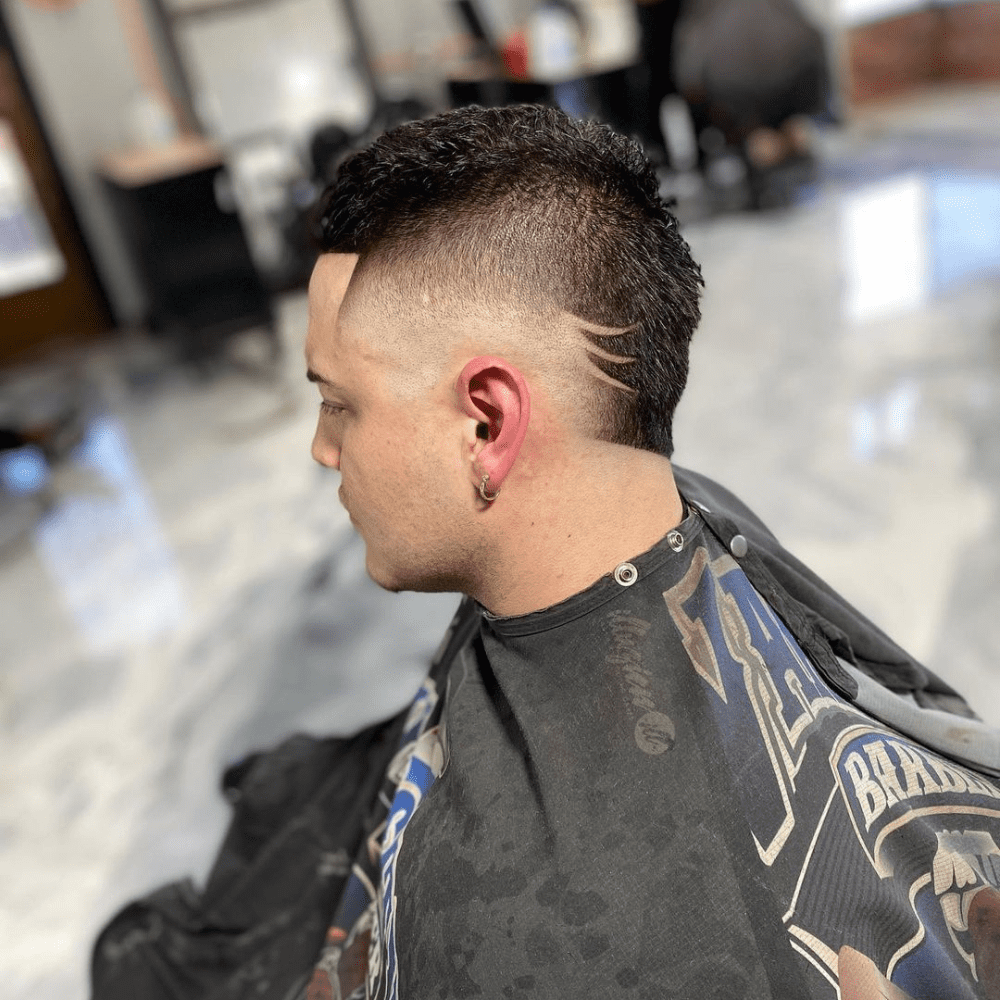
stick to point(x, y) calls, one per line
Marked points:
point(523, 211)
point(485, 270)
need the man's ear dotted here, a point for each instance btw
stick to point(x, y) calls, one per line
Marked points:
point(492, 391)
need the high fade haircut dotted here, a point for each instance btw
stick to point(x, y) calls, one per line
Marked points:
point(528, 206)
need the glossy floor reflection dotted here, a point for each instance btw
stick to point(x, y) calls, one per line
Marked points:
point(193, 589)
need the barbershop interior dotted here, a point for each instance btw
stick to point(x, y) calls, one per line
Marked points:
point(179, 585)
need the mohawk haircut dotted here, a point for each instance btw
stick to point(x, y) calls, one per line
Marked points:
point(526, 205)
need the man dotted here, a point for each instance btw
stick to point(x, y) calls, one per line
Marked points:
point(646, 774)
point(645, 762)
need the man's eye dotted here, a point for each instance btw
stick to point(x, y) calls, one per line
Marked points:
point(331, 409)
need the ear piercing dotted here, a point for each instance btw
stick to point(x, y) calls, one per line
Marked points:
point(487, 497)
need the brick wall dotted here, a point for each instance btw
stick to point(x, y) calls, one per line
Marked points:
point(970, 42)
point(957, 42)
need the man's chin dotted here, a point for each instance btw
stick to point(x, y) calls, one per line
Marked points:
point(384, 576)
point(396, 580)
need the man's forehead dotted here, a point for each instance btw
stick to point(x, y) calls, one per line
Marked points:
point(353, 339)
point(328, 284)
point(327, 287)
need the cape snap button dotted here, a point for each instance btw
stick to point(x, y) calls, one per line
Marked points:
point(738, 546)
point(675, 540)
point(626, 574)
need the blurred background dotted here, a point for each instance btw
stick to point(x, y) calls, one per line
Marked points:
point(178, 583)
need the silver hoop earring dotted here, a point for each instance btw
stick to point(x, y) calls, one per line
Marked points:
point(488, 497)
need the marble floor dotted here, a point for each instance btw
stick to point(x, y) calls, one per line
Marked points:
point(186, 586)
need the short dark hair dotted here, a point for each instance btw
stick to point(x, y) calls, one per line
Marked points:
point(526, 201)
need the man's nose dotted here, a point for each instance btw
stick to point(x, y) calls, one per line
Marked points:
point(325, 451)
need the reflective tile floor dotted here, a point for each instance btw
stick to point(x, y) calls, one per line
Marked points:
point(186, 587)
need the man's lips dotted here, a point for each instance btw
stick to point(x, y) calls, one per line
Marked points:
point(343, 503)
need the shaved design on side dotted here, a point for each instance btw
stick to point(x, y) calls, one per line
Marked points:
point(587, 336)
point(424, 316)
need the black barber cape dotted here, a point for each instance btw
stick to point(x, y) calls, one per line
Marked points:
point(657, 788)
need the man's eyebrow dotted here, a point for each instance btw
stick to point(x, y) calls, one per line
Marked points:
point(316, 377)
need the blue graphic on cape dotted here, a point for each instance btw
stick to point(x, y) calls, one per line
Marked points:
point(358, 961)
point(882, 856)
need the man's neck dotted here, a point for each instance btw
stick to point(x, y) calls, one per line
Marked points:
point(604, 508)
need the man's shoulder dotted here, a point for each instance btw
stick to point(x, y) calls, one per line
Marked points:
point(778, 572)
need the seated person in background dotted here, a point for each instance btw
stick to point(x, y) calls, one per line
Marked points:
point(753, 70)
point(646, 761)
